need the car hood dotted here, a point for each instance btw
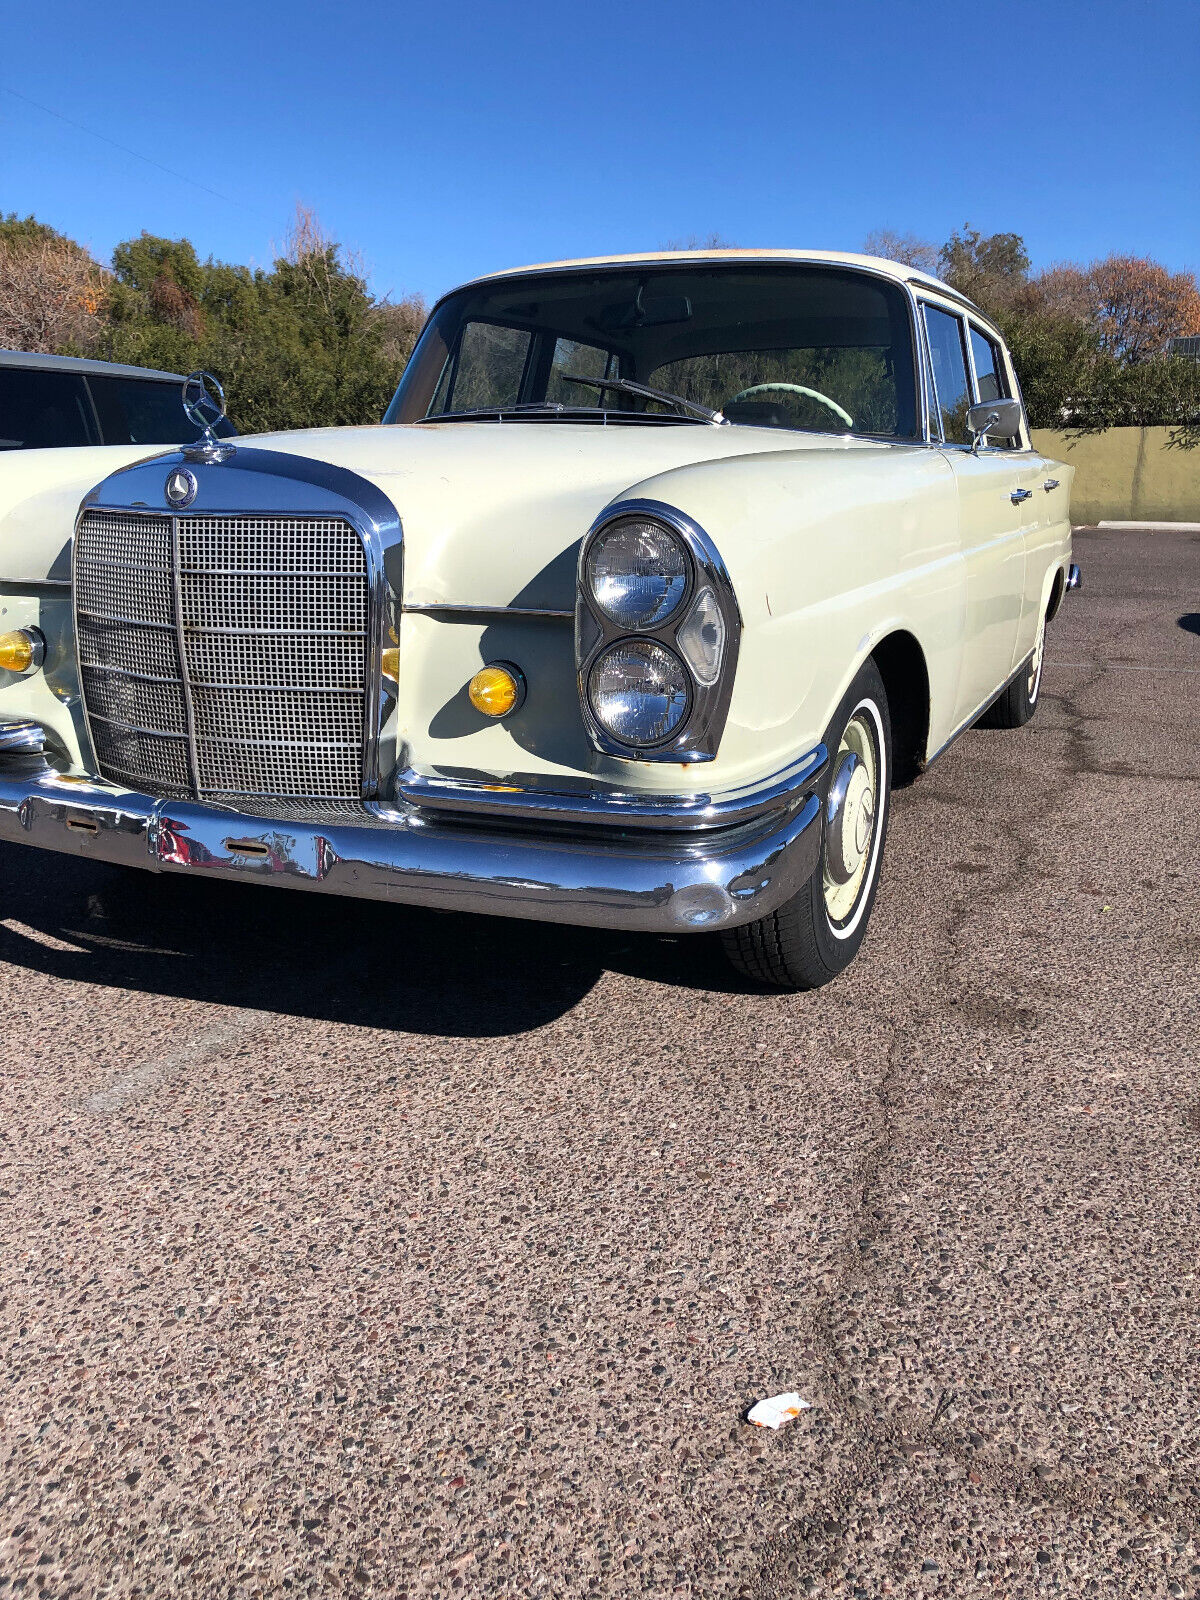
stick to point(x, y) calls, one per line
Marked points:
point(493, 513)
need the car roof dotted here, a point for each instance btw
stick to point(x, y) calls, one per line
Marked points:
point(113, 369)
point(832, 258)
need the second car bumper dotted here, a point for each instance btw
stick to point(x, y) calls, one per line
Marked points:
point(660, 880)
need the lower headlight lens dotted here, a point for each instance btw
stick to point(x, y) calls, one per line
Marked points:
point(21, 650)
point(638, 692)
point(638, 573)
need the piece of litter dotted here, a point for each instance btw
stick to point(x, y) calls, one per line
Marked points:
point(776, 1410)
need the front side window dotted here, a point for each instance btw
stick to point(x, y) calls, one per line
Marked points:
point(806, 347)
point(950, 379)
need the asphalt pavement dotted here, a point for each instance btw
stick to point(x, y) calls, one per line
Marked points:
point(354, 1250)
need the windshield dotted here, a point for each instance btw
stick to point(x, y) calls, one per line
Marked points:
point(781, 346)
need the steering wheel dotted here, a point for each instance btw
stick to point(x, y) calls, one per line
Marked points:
point(792, 388)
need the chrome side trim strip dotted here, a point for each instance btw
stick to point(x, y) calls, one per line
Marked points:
point(609, 807)
point(441, 609)
point(970, 721)
point(52, 588)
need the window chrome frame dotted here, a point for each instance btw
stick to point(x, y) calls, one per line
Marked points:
point(699, 736)
point(908, 289)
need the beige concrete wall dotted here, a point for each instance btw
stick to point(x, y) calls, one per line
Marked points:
point(1127, 475)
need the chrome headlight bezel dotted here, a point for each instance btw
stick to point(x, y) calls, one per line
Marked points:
point(698, 736)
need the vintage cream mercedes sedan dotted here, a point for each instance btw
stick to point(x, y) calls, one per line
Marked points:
point(660, 572)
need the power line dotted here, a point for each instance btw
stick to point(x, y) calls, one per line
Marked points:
point(137, 154)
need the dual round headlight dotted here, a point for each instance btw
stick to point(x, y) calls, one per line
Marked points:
point(637, 573)
point(639, 691)
point(641, 576)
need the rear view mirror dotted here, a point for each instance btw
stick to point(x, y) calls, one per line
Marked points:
point(647, 311)
point(995, 419)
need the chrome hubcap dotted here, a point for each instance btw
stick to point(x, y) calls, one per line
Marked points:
point(850, 812)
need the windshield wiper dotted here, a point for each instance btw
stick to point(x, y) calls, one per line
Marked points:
point(628, 386)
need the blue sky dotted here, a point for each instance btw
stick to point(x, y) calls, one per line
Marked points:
point(443, 141)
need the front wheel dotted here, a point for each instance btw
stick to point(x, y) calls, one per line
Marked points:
point(816, 934)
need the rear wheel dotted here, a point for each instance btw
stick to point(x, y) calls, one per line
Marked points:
point(1016, 705)
point(816, 934)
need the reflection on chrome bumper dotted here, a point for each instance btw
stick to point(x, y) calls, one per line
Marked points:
point(661, 880)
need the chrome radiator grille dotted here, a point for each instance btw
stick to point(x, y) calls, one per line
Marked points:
point(224, 657)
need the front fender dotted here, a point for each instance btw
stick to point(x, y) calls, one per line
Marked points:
point(830, 551)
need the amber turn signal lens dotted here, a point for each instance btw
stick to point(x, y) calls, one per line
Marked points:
point(497, 689)
point(21, 650)
point(389, 664)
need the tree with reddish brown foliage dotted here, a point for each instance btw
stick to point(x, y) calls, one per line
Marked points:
point(1134, 304)
point(52, 293)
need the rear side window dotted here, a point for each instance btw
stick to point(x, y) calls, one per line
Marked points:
point(144, 411)
point(949, 373)
point(40, 410)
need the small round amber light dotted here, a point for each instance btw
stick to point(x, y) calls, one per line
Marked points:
point(497, 689)
point(21, 650)
point(389, 663)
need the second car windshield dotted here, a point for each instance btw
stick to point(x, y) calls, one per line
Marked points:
point(774, 345)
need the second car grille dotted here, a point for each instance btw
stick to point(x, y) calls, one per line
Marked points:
point(224, 657)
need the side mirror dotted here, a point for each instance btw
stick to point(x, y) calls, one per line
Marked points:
point(1001, 418)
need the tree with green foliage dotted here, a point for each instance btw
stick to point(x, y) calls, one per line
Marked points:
point(303, 345)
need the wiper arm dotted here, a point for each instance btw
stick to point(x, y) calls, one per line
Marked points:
point(628, 386)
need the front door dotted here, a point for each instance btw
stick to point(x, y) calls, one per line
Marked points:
point(989, 522)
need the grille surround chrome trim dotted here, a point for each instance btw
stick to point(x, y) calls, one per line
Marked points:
point(215, 737)
point(273, 485)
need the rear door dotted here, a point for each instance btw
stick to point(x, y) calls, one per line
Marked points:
point(994, 381)
point(989, 519)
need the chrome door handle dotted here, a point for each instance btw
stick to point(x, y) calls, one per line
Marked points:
point(1020, 494)
point(1050, 483)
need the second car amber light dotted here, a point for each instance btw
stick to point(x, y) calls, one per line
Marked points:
point(22, 650)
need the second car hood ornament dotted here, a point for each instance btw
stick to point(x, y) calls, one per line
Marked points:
point(204, 407)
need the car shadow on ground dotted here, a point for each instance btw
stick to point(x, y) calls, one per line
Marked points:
point(318, 956)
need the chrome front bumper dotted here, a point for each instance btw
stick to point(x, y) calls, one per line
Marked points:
point(745, 857)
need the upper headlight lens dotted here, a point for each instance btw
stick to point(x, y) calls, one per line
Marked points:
point(637, 573)
point(639, 692)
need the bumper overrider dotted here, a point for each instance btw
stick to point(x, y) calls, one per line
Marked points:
point(663, 865)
